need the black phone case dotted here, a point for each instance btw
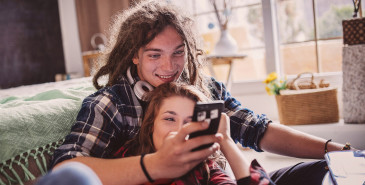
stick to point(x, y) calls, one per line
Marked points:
point(210, 112)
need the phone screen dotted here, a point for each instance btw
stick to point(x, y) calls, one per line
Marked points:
point(211, 113)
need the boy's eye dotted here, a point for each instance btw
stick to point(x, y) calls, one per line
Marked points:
point(154, 56)
point(180, 52)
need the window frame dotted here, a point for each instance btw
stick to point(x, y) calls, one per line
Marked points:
point(272, 52)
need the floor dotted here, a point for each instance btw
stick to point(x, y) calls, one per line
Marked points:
point(270, 161)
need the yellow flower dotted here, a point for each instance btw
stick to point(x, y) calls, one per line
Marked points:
point(268, 90)
point(273, 84)
point(271, 77)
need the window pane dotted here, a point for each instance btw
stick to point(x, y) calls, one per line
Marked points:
point(202, 6)
point(246, 2)
point(207, 23)
point(253, 67)
point(186, 5)
point(245, 25)
point(298, 58)
point(330, 55)
point(295, 20)
point(330, 14)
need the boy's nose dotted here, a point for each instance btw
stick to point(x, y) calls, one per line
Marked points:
point(167, 64)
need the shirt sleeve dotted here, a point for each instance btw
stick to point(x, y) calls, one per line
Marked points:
point(100, 128)
point(217, 175)
point(247, 127)
point(257, 176)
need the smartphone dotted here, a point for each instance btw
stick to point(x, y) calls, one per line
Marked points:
point(211, 113)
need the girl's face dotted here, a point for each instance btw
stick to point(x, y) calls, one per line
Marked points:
point(163, 59)
point(174, 112)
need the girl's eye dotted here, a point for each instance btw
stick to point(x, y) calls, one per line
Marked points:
point(169, 119)
point(187, 120)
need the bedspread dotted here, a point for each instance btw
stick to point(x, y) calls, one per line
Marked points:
point(28, 122)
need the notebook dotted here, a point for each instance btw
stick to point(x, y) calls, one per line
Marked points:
point(346, 167)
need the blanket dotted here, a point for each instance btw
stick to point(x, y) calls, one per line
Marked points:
point(28, 122)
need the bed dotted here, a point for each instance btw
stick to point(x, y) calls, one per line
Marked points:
point(34, 120)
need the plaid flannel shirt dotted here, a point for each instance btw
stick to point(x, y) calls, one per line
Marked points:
point(113, 115)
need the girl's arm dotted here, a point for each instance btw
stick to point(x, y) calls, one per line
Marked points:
point(239, 164)
point(174, 159)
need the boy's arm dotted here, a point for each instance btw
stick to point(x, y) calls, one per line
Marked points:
point(284, 140)
point(172, 160)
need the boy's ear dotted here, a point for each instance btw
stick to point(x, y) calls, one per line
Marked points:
point(135, 60)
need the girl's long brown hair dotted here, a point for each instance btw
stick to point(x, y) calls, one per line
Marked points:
point(139, 25)
point(143, 143)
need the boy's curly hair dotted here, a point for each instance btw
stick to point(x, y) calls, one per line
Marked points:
point(139, 25)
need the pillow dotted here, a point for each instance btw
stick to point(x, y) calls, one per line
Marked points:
point(25, 168)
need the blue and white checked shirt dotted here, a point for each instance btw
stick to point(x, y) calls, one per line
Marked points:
point(113, 115)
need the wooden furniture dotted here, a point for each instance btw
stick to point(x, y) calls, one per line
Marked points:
point(224, 59)
point(89, 59)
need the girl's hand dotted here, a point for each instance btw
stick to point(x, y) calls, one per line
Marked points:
point(175, 157)
point(225, 131)
point(224, 126)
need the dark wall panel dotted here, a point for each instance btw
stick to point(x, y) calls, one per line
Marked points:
point(30, 42)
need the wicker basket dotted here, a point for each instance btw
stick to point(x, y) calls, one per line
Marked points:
point(353, 29)
point(308, 106)
point(301, 83)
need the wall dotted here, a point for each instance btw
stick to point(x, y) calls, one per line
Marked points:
point(34, 49)
point(80, 20)
point(95, 16)
point(70, 37)
point(31, 44)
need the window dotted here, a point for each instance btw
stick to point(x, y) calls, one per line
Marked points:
point(309, 34)
point(245, 26)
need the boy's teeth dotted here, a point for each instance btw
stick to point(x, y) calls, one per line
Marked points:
point(165, 76)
